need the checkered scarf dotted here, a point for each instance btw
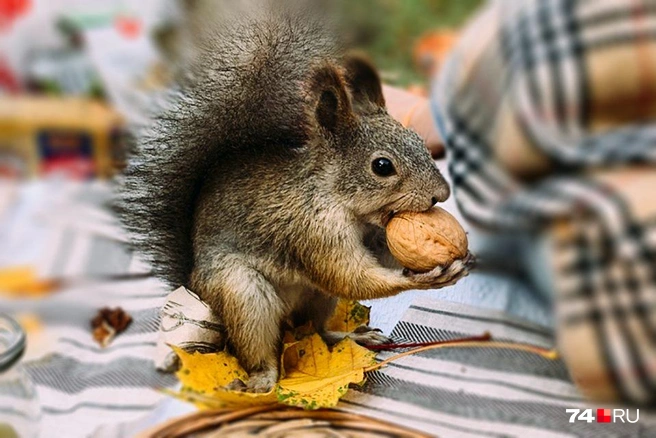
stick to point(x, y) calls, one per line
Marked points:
point(545, 108)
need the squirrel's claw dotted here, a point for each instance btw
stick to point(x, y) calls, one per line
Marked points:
point(365, 335)
point(470, 261)
point(236, 385)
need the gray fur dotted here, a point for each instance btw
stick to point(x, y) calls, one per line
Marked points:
point(254, 187)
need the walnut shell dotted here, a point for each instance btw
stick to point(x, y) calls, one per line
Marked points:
point(423, 241)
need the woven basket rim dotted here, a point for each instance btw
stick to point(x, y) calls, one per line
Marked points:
point(206, 420)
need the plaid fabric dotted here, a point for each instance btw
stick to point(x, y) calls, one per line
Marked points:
point(539, 103)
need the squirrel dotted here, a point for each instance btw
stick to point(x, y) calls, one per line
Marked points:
point(265, 180)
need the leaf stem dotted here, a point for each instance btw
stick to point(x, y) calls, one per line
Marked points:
point(470, 342)
point(484, 337)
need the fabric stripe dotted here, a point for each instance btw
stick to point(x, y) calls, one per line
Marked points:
point(99, 406)
point(500, 385)
point(493, 410)
point(71, 376)
point(535, 331)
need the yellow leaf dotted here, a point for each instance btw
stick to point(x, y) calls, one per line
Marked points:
point(203, 372)
point(223, 398)
point(204, 377)
point(348, 316)
point(315, 377)
point(298, 333)
point(312, 375)
point(23, 282)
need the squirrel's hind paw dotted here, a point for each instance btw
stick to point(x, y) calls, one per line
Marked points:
point(262, 382)
point(259, 382)
point(371, 337)
point(236, 385)
point(363, 335)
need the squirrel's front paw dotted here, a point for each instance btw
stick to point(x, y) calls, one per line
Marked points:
point(443, 276)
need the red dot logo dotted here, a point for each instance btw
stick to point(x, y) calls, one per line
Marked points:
point(603, 416)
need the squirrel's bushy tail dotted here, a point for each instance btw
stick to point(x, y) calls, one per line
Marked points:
point(247, 91)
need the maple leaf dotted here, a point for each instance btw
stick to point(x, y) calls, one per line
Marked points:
point(313, 376)
point(204, 378)
point(316, 377)
point(348, 316)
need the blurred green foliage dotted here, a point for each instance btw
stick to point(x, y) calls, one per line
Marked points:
point(388, 29)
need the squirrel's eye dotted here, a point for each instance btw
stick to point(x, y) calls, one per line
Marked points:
point(383, 167)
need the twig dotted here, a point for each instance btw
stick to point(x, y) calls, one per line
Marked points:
point(484, 337)
point(472, 342)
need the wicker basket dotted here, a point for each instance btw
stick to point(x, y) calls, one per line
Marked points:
point(277, 422)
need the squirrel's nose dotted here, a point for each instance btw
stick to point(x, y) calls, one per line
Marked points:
point(441, 194)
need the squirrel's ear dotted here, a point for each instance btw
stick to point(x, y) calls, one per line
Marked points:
point(363, 80)
point(333, 108)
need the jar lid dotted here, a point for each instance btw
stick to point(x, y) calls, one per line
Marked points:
point(12, 342)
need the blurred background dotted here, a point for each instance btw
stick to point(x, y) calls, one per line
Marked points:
point(75, 74)
point(82, 69)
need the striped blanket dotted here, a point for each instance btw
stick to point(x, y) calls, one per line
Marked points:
point(468, 392)
point(86, 390)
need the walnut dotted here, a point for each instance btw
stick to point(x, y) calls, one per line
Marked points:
point(108, 323)
point(423, 241)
